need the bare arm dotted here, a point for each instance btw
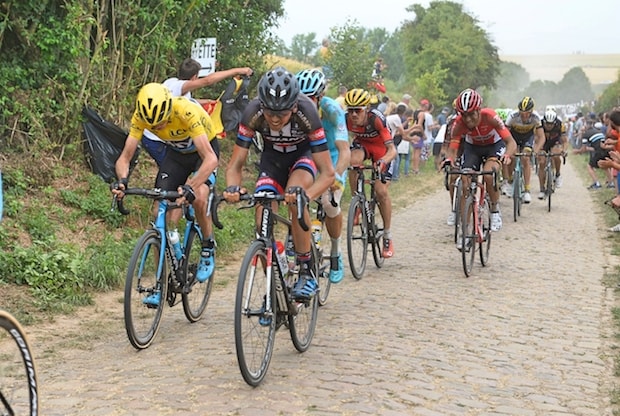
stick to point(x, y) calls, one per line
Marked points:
point(123, 161)
point(213, 78)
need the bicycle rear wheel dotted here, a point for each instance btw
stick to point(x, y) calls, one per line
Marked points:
point(302, 323)
point(145, 277)
point(485, 225)
point(324, 264)
point(195, 295)
point(19, 394)
point(468, 237)
point(255, 326)
point(376, 236)
point(357, 237)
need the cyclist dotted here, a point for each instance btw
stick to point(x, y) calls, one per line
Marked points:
point(487, 144)
point(555, 142)
point(526, 128)
point(312, 83)
point(295, 146)
point(186, 128)
point(372, 140)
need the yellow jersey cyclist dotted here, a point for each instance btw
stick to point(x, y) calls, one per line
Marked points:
point(556, 141)
point(526, 128)
point(186, 128)
point(295, 151)
point(312, 83)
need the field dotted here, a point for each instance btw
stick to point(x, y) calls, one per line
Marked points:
point(600, 69)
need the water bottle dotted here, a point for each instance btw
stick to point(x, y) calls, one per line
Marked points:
point(281, 255)
point(173, 237)
point(316, 232)
point(290, 253)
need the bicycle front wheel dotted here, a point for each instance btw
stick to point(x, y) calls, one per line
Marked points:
point(550, 186)
point(357, 237)
point(376, 237)
point(468, 237)
point(146, 286)
point(195, 294)
point(255, 320)
point(19, 389)
point(456, 206)
point(516, 195)
point(302, 320)
point(485, 225)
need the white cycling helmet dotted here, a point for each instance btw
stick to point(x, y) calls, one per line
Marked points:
point(550, 116)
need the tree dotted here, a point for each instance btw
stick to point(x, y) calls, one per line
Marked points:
point(447, 43)
point(303, 46)
point(575, 87)
point(350, 60)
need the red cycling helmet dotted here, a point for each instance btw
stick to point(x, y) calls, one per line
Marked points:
point(468, 100)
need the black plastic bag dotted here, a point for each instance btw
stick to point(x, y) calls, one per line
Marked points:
point(103, 144)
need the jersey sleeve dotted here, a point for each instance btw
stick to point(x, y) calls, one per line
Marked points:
point(336, 116)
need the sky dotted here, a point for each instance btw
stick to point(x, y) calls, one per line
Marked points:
point(544, 27)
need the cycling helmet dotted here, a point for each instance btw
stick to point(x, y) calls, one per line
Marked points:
point(550, 116)
point(468, 100)
point(278, 89)
point(154, 103)
point(357, 97)
point(311, 82)
point(526, 104)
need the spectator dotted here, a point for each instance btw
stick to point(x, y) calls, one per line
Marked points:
point(384, 104)
point(342, 91)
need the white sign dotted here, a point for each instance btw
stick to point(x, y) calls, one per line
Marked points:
point(203, 50)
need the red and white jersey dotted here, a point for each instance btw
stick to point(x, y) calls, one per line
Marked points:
point(491, 129)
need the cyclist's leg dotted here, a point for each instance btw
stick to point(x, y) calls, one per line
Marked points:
point(302, 174)
point(333, 223)
point(492, 162)
point(525, 163)
point(384, 201)
point(358, 155)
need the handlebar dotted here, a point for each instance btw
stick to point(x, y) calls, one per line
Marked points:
point(156, 194)
point(265, 198)
point(549, 154)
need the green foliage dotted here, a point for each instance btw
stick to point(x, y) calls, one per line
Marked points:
point(52, 270)
point(302, 47)
point(350, 59)
point(610, 97)
point(448, 44)
point(96, 202)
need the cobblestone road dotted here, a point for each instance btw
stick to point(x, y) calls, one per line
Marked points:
point(528, 335)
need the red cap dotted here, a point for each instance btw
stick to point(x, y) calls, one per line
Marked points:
point(424, 101)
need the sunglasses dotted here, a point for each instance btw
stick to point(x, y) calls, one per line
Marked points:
point(356, 110)
point(280, 113)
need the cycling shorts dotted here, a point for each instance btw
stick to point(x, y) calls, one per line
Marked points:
point(475, 156)
point(275, 169)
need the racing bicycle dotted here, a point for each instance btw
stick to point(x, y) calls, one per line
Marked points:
point(364, 226)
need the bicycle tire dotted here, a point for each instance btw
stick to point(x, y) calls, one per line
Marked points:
point(19, 389)
point(550, 186)
point(325, 262)
point(468, 247)
point(357, 237)
point(485, 223)
point(254, 340)
point(458, 194)
point(376, 236)
point(142, 320)
point(195, 295)
point(516, 195)
point(302, 323)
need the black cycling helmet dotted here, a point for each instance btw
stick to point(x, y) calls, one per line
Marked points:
point(278, 89)
point(526, 104)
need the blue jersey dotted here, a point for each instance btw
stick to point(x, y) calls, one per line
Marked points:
point(335, 126)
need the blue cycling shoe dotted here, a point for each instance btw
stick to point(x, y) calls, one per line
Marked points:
point(336, 274)
point(305, 288)
point(152, 300)
point(206, 266)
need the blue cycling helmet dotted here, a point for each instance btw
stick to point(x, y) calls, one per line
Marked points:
point(278, 89)
point(311, 82)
